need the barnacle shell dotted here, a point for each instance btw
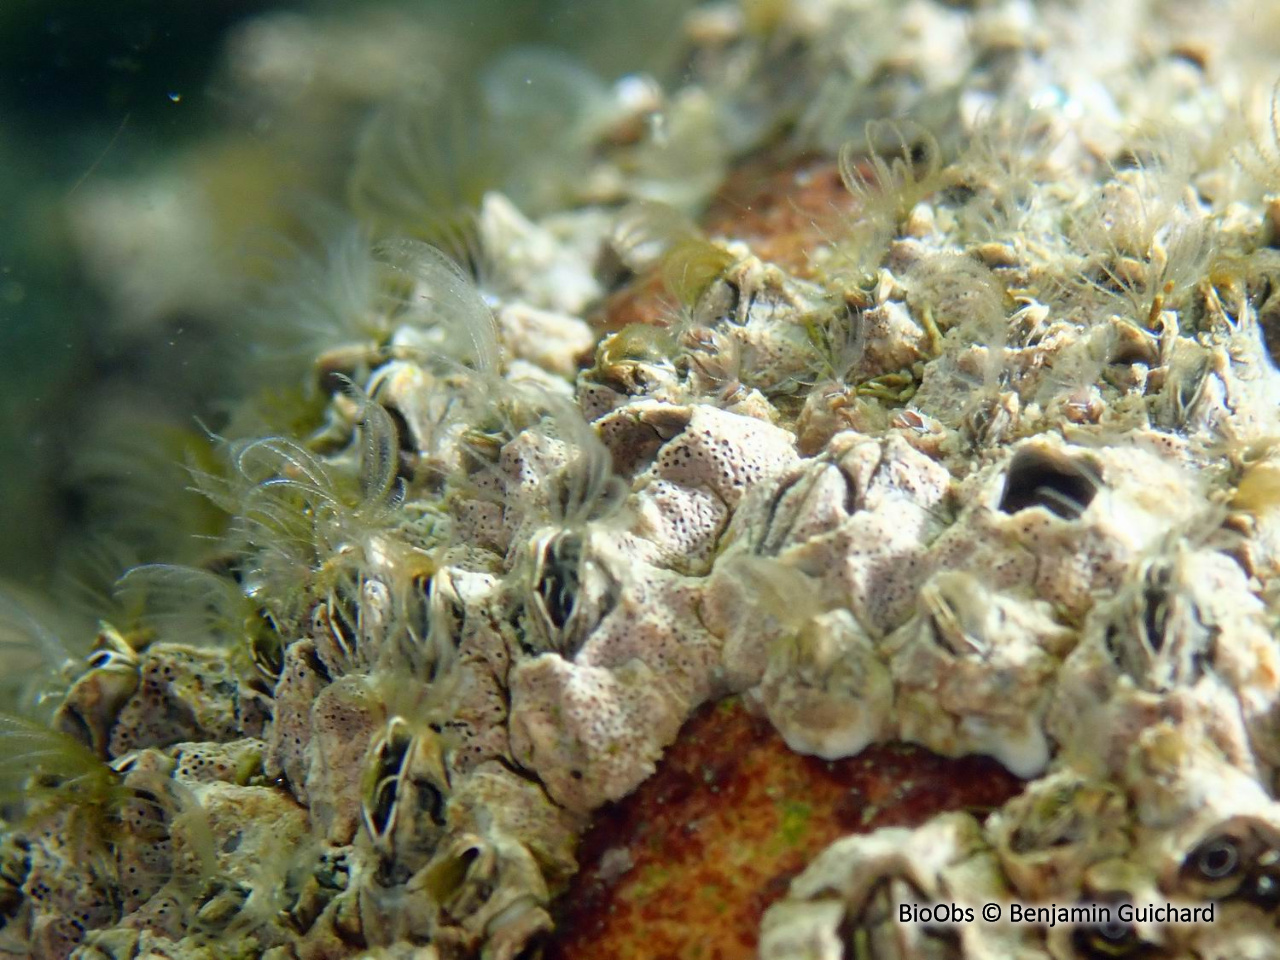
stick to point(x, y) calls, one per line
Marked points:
point(972, 672)
point(849, 898)
point(1047, 837)
point(826, 690)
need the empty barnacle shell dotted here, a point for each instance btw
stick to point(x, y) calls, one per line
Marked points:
point(405, 792)
point(1039, 476)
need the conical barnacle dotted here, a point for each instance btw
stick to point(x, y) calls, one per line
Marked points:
point(1062, 825)
point(405, 791)
point(92, 704)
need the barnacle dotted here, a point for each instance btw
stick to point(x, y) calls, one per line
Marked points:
point(1239, 860)
point(405, 790)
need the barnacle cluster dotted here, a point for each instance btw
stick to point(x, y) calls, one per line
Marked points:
point(991, 466)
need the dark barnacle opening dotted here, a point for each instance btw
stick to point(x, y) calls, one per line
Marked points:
point(1155, 605)
point(266, 646)
point(1215, 859)
point(1241, 867)
point(561, 578)
point(1107, 941)
point(390, 765)
point(1038, 478)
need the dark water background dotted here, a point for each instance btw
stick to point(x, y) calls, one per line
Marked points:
point(93, 93)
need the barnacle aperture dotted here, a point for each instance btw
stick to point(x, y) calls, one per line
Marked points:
point(1041, 478)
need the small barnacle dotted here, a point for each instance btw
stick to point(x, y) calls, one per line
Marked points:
point(851, 896)
point(326, 307)
point(1237, 860)
point(1157, 635)
point(319, 876)
point(899, 166)
point(714, 362)
point(1040, 477)
point(556, 573)
point(839, 342)
point(35, 657)
point(876, 931)
point(1191, 380)
point(404, 793)
point(584, 490)
point(488, 888)
point(445, 300)
point(1001, 170)
point(951, 290)
point(971, 672)
point(337, 625)
point(569, 590)
point(636, 360)
point(1149, 242)
point(178, 604)
point(1062, 824)
point(92, 704)
point(421, 169)
point(1114, 939)
point(53, 776)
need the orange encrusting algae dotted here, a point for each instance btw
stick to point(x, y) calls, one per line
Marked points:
point(684, 868)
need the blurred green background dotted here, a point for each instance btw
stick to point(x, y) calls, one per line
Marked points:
point(101, 98)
